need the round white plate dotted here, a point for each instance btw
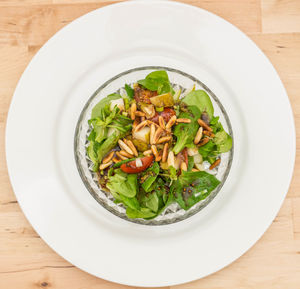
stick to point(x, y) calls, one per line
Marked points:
point(65, 73)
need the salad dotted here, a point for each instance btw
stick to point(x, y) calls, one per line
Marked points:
point(152, 146)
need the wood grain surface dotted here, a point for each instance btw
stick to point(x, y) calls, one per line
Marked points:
point(26, 262)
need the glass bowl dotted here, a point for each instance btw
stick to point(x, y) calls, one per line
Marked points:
point(178, 79)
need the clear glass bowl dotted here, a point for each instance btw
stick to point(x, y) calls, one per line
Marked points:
point(179, 79)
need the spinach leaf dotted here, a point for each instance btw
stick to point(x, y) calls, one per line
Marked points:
point(149, 176)
point(185, 132)
point(157, 81)
point(123, 184)
point(97, 111)
point(129, 90)
point(192, 187)
point(200, 99)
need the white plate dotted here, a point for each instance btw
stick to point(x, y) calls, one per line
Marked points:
point(64, 74)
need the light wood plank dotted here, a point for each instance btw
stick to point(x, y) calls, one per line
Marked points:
point(280, 16)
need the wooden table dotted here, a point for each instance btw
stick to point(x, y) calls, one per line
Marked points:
point(27, 262)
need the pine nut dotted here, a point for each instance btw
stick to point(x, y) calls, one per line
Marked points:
point(121, 156)
point(126, 154)
point(132, 147)
point(171, 122)
point(165, 153)
point(203, 141)
point(204, 125)
point(133, 111)
point(104, 166)
point(141, 125)
point(147, 153)
point(215, 164)
point(183, 120)
point(171, 159)
point(124, 147)
point(164, 139)
point(198, 135)
point(183, 166)
point(108, 157)
point(161, 122)
point(152, 133)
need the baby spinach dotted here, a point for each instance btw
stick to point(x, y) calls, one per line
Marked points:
point(98, 108)
point(185, 132)
point(157, 81)
point(192, 187)
point(129, 90)
point(200, 99)
point(123, 184)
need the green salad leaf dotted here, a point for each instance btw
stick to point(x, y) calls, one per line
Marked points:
point(185, 132)
point(200, 99)
point(129, 90)
point(149, 176)
point(123, 184)
point(157, 81)
point(192, 187)
point(98, 108)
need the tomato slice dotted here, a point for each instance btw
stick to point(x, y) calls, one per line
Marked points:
point(131, 168)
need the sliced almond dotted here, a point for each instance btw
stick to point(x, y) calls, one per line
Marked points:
point(171, 159)
point(133, 111)
point(204, 125)
point(164, 139)
point(121, 156)
point(183, 166)
point(183, 120)
point(215, 164)
point(203, 141)
point(139, 113)
point(208, 133)
point(154, 150)
point(157, 134)
point(116, 160)
point(125, 147)
point(152, 133)
point(126, 154)
point(198, 135)
point(141, 125)
point(165, 153)
point(161, 122)
point(147, 153)
point(108, 157)
point(132, 147)
point(171, 122)
point(104, 166)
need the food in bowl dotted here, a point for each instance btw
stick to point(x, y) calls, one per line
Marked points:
point(153, 146)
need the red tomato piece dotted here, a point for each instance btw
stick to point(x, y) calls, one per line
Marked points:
point(131, 168)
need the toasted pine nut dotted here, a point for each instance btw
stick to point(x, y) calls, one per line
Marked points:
point(204, 125)
point(151, 122)
point(157, 134)
point(203, 141)
point(158, 157)
point(208, 133)
point(108, 157)
point(183, 120)
point(215, 164)
point(164, 139)
point(165, 153)
point(125, 147)
point(152, 133)
point(133, 111)
point(171, 122)
point(195, 170)
point(139, 113)
point(104, 166)
point(198, 135)
point(154, 150)
point(183, 166)
point(171, 159)
point(116, 160)
point(161, 122)
point(142, 118)
point(147, 153)
point(132, 147)
point(141, 125)
point(126, 154)
point(121, 156)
